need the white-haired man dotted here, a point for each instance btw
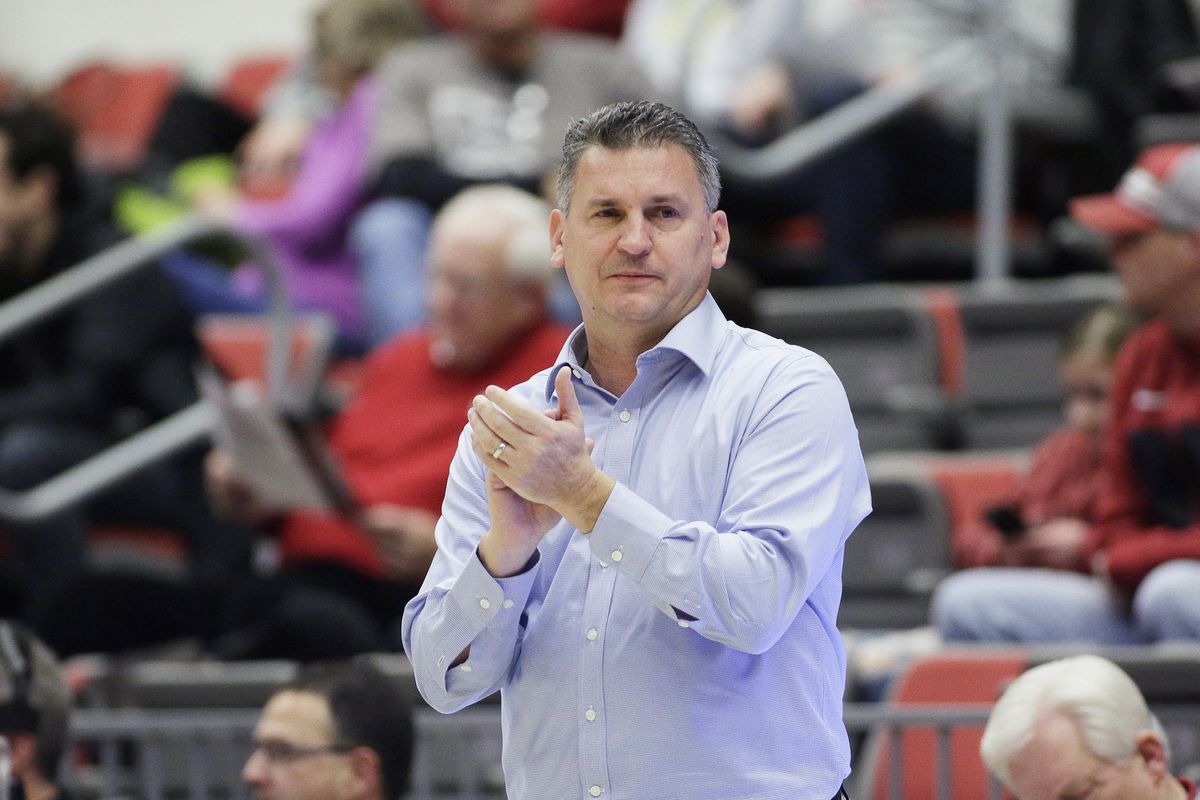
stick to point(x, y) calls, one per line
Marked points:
point(1079, 728)
point(488, 276)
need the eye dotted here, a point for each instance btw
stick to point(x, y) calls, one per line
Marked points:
point(666, 212)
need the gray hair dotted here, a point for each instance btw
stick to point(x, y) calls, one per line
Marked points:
point(522, 218)
point(1103, 702)
point(644, 123)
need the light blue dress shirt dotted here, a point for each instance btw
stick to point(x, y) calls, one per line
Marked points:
point(686, 648)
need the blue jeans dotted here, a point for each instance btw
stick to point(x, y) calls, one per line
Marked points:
point(1042, 605)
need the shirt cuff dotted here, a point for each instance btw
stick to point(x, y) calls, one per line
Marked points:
point(628, 531)
point(482, 597)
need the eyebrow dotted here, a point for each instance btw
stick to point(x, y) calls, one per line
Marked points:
point(656, 200)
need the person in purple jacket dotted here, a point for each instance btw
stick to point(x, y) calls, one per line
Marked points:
point(306, 227)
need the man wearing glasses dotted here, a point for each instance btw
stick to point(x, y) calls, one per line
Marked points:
point(338, 732)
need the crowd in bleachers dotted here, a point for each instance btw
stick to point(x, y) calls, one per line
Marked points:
point(395, 173)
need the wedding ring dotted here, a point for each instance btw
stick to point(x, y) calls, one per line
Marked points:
point(499, 449)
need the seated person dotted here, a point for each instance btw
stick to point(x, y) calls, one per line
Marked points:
point(336, 732)
point(35, 707)
point(489, 269)
point(1079, 727)
point(488, 103)
point(306, 228)
point(1055, 507)
point(92, 374)
point(1144, 549)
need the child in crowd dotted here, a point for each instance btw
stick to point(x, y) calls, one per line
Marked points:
point(306, 228)
point(1048, 522)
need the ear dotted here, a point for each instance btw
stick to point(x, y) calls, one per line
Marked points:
point(1154, 753)
point(558, 222)
point(365, 778)
point(720, 227)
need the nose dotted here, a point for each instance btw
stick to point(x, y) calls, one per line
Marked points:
point(255, 770)
point(635, 235)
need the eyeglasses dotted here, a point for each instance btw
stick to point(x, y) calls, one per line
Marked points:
point(280, 752)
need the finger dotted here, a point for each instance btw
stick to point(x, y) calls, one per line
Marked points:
point(500, 423)
point(519, 412)
point(484, 440)
point(568, 403)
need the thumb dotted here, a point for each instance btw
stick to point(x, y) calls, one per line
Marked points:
point(568, 403)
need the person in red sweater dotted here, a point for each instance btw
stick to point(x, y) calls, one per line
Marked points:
point(1050, 515)
point(489, 272)
point(1143, 552)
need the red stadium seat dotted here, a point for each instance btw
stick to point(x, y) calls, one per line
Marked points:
point(966, 677)
point(247, 84)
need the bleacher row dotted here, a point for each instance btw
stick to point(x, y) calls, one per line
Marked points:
point(950, 386)
point(115, 106)
point(181, 729)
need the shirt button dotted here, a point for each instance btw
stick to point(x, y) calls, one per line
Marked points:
point(603, 565)
point(615, 555)
point(466, 667)
point(484, 603)
point(590, 714)
point(508, 603)
point(595, 791)
point(625, 416)
point(683, 623)
point(592, 633)
point(578, 375)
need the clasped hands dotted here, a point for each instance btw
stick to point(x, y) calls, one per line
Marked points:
point(545, 473)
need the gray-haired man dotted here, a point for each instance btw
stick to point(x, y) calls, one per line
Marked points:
point(641, 547)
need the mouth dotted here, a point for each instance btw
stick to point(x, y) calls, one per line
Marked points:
point(632, 276)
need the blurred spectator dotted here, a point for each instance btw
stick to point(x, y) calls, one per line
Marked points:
point(1144, 550)
point(605, 17)
point(490, 103)
point(35, 707)
point(752, 70)
point(1079, 727)
point(91, 375)
point(1048, 523)
point(272, 149)
point(489, 270)
point(1078, 73)
point(307, 227)
point(337, 732)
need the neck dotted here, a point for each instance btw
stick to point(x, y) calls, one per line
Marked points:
point(614, 347)
point(614, 366)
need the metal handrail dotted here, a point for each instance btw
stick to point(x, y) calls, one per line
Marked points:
point(181, 429)
point(866, 111)
point(846, 121)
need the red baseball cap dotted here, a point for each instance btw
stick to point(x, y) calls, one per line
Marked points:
point(1162, 188)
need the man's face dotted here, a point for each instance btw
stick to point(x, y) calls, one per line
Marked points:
point(1154, 266)
point(638, 241)
point(16, 210)
point(291, 759)
point(475, 308)
point(1056, 765)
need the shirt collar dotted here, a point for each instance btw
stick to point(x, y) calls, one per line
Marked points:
point(697, 337)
